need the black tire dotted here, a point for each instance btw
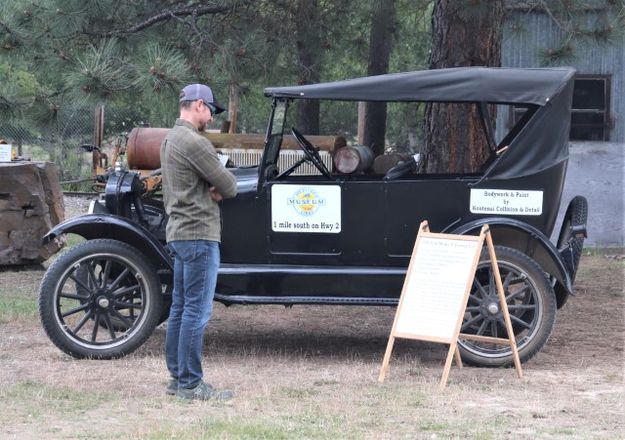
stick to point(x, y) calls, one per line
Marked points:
point(165, 310)
point(81, 318)
point(531, 304)
point(576, 215)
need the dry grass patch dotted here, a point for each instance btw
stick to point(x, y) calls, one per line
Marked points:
point(311, 372)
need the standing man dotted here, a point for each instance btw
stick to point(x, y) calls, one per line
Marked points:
point(194, 182)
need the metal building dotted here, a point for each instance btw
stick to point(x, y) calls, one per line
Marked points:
point(532, 38)
point(596, 167)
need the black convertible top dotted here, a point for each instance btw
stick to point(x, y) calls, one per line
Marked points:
point(538, 142)
point(462, 84)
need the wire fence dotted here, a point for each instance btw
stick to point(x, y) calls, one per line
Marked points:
point(66, 138)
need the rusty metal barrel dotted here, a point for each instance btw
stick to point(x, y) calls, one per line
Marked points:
point(143, 150)
point(352, 159)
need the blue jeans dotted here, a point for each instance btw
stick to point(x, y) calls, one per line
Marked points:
point(195, 276)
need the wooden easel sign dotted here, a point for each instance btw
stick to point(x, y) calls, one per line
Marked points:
point(435, 294)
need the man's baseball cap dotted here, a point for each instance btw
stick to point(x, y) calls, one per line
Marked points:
point(193, 92)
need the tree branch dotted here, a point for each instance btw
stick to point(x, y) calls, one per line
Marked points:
point(194, 11)
point(7, 28)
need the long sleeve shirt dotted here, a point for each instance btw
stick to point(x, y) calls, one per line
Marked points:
point(189, 167)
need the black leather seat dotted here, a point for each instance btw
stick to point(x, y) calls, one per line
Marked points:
point(400, 170)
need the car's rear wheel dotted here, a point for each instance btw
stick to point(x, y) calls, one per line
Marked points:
point(100, 300)
point(576, 215)
point(531, 303)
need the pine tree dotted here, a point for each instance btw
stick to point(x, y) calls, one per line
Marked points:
point(132, 54)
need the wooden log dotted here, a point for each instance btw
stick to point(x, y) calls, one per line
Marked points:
point(348, 160)
point(31, 203)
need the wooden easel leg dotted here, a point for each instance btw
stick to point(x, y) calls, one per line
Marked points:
point(387, 358)
point(457, 357)
point(450, 355)
point(515, 356)
point(504, 305)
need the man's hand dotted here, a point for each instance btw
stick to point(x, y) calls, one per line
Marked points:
point(215, 194)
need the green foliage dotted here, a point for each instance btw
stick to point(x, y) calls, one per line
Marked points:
point(101, 72)
point(18, 89)
point(162, 69)
point(558, 55)
point(61, 58)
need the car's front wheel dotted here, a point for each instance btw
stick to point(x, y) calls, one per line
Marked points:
point(531, 303)
point(100, 300)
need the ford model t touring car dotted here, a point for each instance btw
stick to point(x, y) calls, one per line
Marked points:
point(345, 238)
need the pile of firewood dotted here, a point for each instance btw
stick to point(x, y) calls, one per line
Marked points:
point(31, 203)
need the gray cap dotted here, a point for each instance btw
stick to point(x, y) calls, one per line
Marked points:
point(193, 92)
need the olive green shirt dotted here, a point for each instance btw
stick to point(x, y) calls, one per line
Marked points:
point(190, 166)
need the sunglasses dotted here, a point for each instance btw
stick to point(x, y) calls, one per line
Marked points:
point(211, 107)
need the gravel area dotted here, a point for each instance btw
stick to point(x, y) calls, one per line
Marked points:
point(75, 206)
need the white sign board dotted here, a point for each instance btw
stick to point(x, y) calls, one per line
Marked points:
point(433, 300)
point(506, 202)
point(306, 208)
point(434, 294)
point(5, 153)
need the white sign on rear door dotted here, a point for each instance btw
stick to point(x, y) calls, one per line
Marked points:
point(506, 202)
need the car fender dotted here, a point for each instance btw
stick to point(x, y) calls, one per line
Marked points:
point(529, 240)
point(93, 226)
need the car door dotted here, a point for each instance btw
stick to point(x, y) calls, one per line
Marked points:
point(311, 221)
point(439, 200)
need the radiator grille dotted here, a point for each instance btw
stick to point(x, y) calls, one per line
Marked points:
point(249, 157)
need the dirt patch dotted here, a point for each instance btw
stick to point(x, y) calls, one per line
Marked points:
point(311, 371)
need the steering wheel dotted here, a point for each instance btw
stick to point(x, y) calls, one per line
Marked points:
point(311, 152)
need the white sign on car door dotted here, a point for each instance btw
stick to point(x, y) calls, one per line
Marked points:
point(306, 208)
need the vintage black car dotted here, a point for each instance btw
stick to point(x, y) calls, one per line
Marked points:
point(330, 238)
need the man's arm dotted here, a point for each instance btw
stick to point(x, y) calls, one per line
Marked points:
point(203, 158)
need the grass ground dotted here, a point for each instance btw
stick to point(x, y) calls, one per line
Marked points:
point(311, 372)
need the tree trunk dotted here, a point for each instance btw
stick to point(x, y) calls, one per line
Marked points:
point(309, 55)
point(464, 33)
point(380, 44)
point(233, 104)
point(360, 131)
point(412, 128)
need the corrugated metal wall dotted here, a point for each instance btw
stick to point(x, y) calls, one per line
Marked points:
point(528, 34)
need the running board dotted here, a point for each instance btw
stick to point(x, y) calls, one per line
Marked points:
point(292, 300)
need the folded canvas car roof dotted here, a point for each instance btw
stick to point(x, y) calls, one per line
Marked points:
point(540, 144)
point(462, 84)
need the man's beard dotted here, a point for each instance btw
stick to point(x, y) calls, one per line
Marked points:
point(202, 127)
